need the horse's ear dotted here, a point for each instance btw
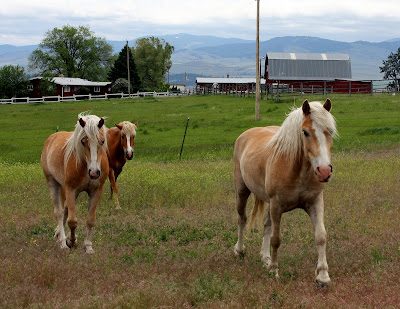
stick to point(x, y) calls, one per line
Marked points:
point(136, 123)
point(118, 126)
point(101, 123)
point(82, 122)
point(328, 105)
point(306, 108)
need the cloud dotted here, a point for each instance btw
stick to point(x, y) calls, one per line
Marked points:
point(25, 22)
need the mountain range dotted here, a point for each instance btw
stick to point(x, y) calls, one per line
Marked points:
point(218, 57)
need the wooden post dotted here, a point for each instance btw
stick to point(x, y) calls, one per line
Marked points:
point(127, 64)
point(257, 107)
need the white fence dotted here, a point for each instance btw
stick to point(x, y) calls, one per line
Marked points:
point(106, 96)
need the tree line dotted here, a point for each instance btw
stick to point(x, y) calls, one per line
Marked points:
point(76, 52)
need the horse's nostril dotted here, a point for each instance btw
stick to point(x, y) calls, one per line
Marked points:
point(98, 173)
point(331, 168)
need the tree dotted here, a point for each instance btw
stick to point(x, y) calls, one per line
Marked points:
point(153, 59)
point(13, 81)
point(120, 70)
point(73, 52)
point(391, 69)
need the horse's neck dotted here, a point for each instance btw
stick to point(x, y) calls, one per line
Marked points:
point(115, 148)
point(299, 169)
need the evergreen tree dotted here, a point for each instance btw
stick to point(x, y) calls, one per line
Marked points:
point(120, 70)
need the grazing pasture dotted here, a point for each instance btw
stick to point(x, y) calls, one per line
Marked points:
point(171, 244)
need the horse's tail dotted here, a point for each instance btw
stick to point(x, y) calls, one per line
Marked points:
point(257, 214)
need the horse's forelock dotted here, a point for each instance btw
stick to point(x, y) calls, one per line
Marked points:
point(128, 128)
point(90, 130)
point(323, 119)
point(288, 141)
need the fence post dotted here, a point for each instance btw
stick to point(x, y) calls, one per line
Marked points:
point(184, 136)
point(350, 88)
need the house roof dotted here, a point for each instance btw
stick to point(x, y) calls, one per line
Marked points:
point(308, 66)
point(69, 81)
point(229, 80)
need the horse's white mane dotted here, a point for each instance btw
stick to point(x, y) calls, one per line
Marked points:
point(91, 130)
point(128, 128)
point(288, 141)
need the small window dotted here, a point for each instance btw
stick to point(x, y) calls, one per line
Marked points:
point(67, 89)
point(96, 89)
point(29, 87)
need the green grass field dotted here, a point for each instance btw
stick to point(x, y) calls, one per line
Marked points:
point(171, 245)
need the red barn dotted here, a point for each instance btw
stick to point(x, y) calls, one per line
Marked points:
point(313, 72)
point(67, 86)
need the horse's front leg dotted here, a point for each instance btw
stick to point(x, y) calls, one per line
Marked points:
point(72, 221)
point(114, 188)
point(94, 199)
point(316, 213)
point(266, 244)
point(276, 238)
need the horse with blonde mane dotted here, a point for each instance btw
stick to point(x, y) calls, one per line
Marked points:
point(286, 167)
point(121, 142)
point(73, 162)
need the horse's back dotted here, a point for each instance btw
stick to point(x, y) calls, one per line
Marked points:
point(250, 155)
point(254, 140)
point(53, 156)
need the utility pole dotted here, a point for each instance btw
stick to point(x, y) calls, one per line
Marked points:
point(257, 107)
point(127, 64)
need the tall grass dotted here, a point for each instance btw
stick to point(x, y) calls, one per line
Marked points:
point(171, 245)
point(365, 123)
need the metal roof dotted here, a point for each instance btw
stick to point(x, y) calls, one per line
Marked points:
point(228, 80)
point(308, 66)
point(69, 81)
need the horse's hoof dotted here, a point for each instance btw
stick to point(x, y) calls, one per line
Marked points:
point(70, 243)
point(237, 252)
point(322, 285)
point(266, 260)
point(64, 245)
point(89, 250)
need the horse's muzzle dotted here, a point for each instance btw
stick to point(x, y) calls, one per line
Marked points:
point(324, 173)
point(94, 174)
point(129, 156)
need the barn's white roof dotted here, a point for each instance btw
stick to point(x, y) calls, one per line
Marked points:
point(229, 80)
point(69, 81)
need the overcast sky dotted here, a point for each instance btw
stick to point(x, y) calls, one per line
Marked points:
point(24, 22)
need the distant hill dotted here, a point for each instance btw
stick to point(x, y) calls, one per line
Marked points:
point(217, 57)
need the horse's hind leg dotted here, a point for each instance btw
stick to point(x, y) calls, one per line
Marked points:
point(242, 194)
point(266, 244)
point(58, 198)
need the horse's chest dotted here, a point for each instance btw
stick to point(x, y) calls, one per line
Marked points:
point(298, 197)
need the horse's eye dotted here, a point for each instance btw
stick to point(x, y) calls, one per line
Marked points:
point(306, 134)
point(102, 142)
point(83, 142)
point(122, 137)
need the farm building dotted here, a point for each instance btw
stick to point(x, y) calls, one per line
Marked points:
point(67, 86)
point(295, 72)
point(227, 85)
point(313, 72)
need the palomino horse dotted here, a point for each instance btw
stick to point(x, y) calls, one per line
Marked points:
point(121, 141)
point(73, 162)
point(286, 167)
